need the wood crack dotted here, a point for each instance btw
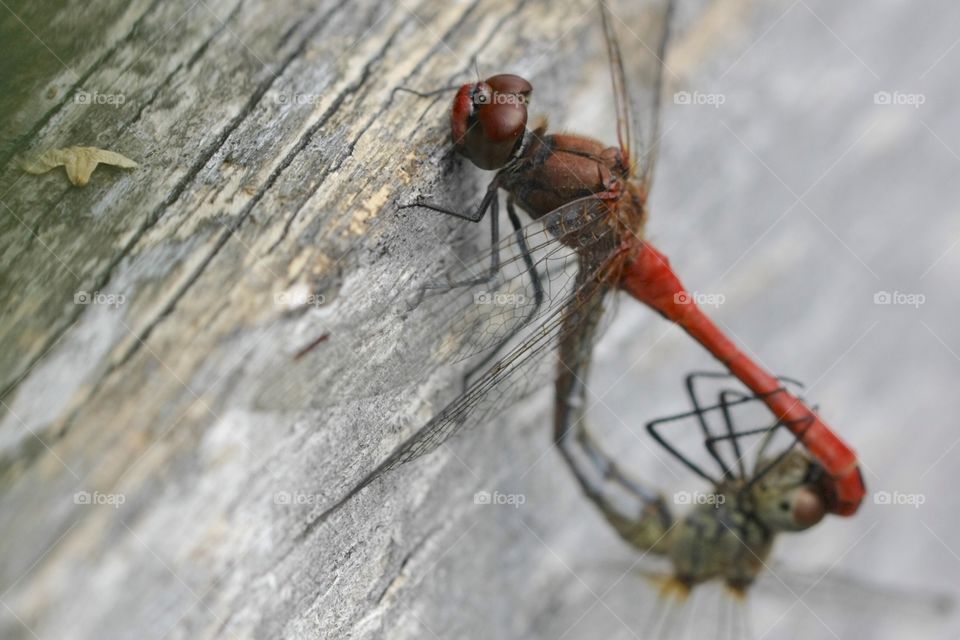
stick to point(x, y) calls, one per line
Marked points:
point(20, 142)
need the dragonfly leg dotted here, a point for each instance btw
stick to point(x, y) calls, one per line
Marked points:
point(728, 399)
point(639, 515)
point(424, 94)
point(537, 294)
point(489, 202)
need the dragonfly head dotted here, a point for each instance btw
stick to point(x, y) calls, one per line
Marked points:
point(790, 495)
point(730, 535)
point(489, 118)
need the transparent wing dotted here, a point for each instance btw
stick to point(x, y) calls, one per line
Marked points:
point(787, 602)
point(636, 35)
point(494, 310)
point(777, 607)
point(427, 329)
point(523, 365)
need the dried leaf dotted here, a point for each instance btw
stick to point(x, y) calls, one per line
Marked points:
point(78, 161)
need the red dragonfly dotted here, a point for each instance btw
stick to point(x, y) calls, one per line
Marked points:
point(545, 286)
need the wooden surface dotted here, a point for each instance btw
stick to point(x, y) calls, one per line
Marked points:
point(262, 217)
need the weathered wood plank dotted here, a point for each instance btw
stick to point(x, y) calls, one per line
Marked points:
point(272, 154)
point(271, 150)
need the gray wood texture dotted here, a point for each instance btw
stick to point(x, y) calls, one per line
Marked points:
point(263, 217)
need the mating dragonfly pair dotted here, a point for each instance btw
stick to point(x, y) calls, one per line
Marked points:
point(542, 291)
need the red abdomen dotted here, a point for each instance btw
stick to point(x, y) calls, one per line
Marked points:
point(649, 278)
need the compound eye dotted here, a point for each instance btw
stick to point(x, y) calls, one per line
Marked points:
point(503, 122)
point(488, 120)
point(809, 508)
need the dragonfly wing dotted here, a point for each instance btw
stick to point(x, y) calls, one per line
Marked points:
point(808, 603)
point(496, 308)
point(636, 35)
point(524, 366)
point(441, 326)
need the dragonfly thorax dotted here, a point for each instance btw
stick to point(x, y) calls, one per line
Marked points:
point(720, 538)
point(556, 169)
point(729, 534)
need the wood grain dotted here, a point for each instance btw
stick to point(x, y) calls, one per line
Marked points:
point(262, 217)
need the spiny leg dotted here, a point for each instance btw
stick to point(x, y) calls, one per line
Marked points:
point(758, 474)
point(731, 430)
point(690, 383)
point(699, 412)
point(603, 466)
point(537, 292)
point(489, 202)
point(424, 94)
point(639, 515)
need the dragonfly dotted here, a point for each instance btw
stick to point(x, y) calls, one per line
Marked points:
point(762, 484)
point(729, 532)
point(543, 289)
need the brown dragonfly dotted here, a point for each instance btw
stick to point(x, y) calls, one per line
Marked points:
point(543, 290)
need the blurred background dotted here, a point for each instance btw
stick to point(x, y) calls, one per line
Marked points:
point(804, 188)
point(809, 194)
